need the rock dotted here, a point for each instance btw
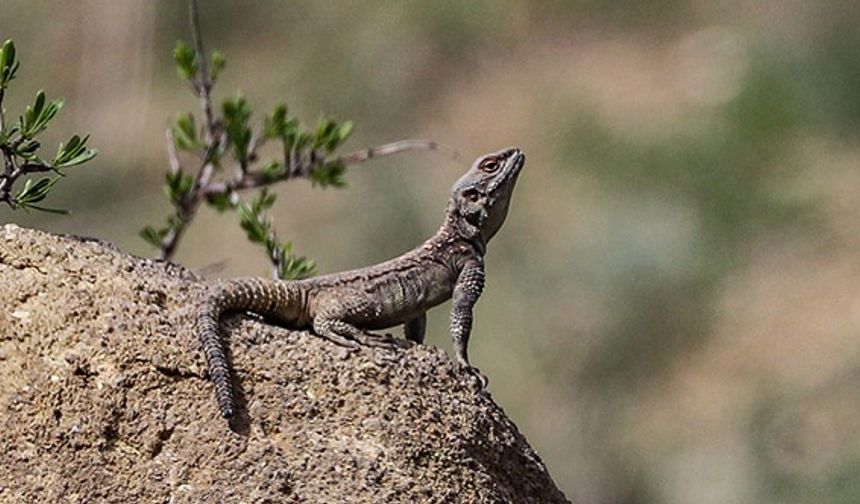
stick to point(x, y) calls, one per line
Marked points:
point(104, 398)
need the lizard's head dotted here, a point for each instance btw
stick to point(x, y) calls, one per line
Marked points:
point(481, 197)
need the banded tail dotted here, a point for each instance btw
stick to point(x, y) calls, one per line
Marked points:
point(266, 297)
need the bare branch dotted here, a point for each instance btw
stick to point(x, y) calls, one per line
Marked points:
point(11, 173)
point(394, 148)
point(2, 112)
point(172, 156)
point(168, 246)
point(204, 82)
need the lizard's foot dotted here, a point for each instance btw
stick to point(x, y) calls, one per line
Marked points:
point(385, 341)
point(480, 378)
point(349, 344)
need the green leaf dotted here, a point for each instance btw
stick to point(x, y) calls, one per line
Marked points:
point(329, 174)
point(7, 133)
point(47, 210)
point(33, 193)
point(177, 186)
point(37, 116)
point(263, 200)
point(255, 227)
point(218, 62)
point(186, 60)
point(291, 267)
point(326, 129)
point(223, 201)
point(333, 135)
point(284, 126)
point(272, 171)
point(344, 131)
point(154, 236)
point(185, 133)
point(303, 139)
point(27, 149)
point(237, 113)
point(74, 152)
point(259, 230)
point(274, 124)
point(8, 65)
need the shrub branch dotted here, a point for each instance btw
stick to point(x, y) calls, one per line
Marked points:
point(305, 153)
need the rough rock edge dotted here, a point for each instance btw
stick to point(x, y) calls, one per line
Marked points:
point(104, 398)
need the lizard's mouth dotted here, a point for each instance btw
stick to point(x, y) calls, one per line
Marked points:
point(514, 164)
point(519, 160)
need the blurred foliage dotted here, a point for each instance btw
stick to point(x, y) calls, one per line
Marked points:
point(730, 175)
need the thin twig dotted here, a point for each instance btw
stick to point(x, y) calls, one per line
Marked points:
point(394, 148)
point(11, 172)
point(8, 156)
point(172, 156)
point(168, 246)
point(2, 112)
point(203, 87)
point(204, 82)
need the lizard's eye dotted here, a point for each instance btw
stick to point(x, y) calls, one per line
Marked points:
point(472, 195)
point(490, 166)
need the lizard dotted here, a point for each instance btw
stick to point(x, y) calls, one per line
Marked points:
point(342, 307)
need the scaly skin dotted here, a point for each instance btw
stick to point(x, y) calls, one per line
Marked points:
point(342, 307)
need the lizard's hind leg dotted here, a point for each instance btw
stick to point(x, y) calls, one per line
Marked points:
point(414, 329)
point(339, 315)
point(338, 332)
point(345, 334)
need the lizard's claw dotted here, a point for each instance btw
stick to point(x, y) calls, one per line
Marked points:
point(480, 377)
point(348, 344)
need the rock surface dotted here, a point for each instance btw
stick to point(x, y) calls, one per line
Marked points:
point(103, 398)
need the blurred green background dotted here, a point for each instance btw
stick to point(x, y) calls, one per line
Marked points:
point(673, 306)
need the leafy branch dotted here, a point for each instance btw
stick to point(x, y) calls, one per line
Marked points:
point(225, 148)
point(21, 150)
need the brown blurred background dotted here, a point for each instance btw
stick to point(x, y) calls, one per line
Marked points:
point(673, 306)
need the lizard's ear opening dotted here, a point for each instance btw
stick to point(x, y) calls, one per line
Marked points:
point(472, 195)
point(471, 213)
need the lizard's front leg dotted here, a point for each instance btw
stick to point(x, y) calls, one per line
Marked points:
point(470, 284)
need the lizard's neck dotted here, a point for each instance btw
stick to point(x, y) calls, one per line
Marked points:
point(451, 232)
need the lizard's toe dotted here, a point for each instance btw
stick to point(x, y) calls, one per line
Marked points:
point(347, 345)
point(344, 352)
point(385, 357)
point(386, 341)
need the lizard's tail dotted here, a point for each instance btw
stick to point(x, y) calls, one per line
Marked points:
point(216, 356)
point(266, 297)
